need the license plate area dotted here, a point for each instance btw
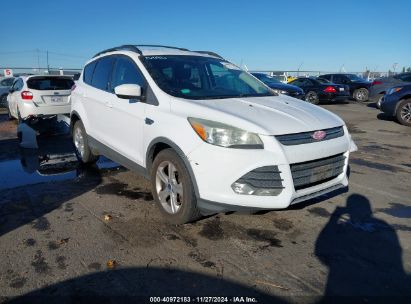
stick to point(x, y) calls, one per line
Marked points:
point(56, 99)
point(321, 173)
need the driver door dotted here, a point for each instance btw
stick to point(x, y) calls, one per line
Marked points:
point(124, 128)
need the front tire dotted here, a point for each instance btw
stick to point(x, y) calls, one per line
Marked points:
point(404, 112)
point(81, 147)
point(379, 102)
point(312, 97)
point(360, 95)
point(173, 189)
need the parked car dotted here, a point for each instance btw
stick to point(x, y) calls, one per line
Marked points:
point(209, 136)
point(380, 86)
point(279, 87)
point(36, 97)
point(359, 87)
point(318, 89)
point(5, 85)
point(397, 103)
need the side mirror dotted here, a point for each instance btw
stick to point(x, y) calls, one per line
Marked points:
point(128, 91)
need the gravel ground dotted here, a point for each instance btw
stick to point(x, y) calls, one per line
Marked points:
point(68, 232)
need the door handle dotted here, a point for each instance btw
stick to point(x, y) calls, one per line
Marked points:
point(109, 104)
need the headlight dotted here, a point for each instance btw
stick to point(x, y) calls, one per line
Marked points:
point(394, 90)
point(223, 135)
point(280, 91)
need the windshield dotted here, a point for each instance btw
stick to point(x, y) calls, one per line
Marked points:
point(353, 77)
point(197, 77)
point(265, 78)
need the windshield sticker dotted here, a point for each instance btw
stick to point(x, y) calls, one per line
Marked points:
point(185, 91)
point(230, 66)
point(156, 58)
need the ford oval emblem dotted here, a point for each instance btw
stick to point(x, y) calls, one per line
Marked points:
point(318, 135)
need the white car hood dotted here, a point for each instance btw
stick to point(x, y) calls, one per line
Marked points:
point(276, 115)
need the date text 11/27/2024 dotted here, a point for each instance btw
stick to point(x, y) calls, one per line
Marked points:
point(203, 300)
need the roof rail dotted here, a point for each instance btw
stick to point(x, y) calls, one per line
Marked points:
point(209, 53)
point(135, 48)
point(162, 46)
point(125, 47)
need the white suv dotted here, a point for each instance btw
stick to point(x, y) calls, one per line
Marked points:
point(208, 135)
point(34, 97)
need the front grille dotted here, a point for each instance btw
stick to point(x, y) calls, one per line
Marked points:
point(306, 137)
point(311, 173)
point(263, 177)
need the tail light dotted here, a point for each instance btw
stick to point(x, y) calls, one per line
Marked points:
point(73, 87)
point(376, 82)
point(26, 95)
point(330, 89)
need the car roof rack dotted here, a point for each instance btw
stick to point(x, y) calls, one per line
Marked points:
point(162, 46)
point(136, 48)
point(125, 47)
point(209, 53)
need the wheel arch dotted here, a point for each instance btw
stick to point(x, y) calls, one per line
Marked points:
point(405, 97)
point(161, 143)
point(74, 116)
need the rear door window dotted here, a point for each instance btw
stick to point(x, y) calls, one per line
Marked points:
point(48, 83)
point(102, 73)
point(88, 72)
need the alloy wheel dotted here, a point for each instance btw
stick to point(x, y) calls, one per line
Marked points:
point(406, 112)
point(79, 141)
point(361, 95)
point(169, 187)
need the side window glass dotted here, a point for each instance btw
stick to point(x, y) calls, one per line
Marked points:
point(102, 73)
point(88, 72)
point(125, 71)
point(406, 78)
point(337, 79)
point(309, 83)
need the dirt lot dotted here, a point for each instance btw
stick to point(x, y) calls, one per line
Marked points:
point(70, 231)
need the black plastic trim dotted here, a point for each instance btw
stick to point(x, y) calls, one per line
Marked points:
point(117, 157)
point(175, 147)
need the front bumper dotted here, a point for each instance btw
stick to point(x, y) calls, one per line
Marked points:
point(389, 104)
point(216, 169)
point(29, 109)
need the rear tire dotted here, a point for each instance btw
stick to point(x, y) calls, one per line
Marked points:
point(361, 95)
point(19, 119)
point(404, 112)
point(81, 147)
point(173, 189)
point(9, 113)
point(312, 97)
